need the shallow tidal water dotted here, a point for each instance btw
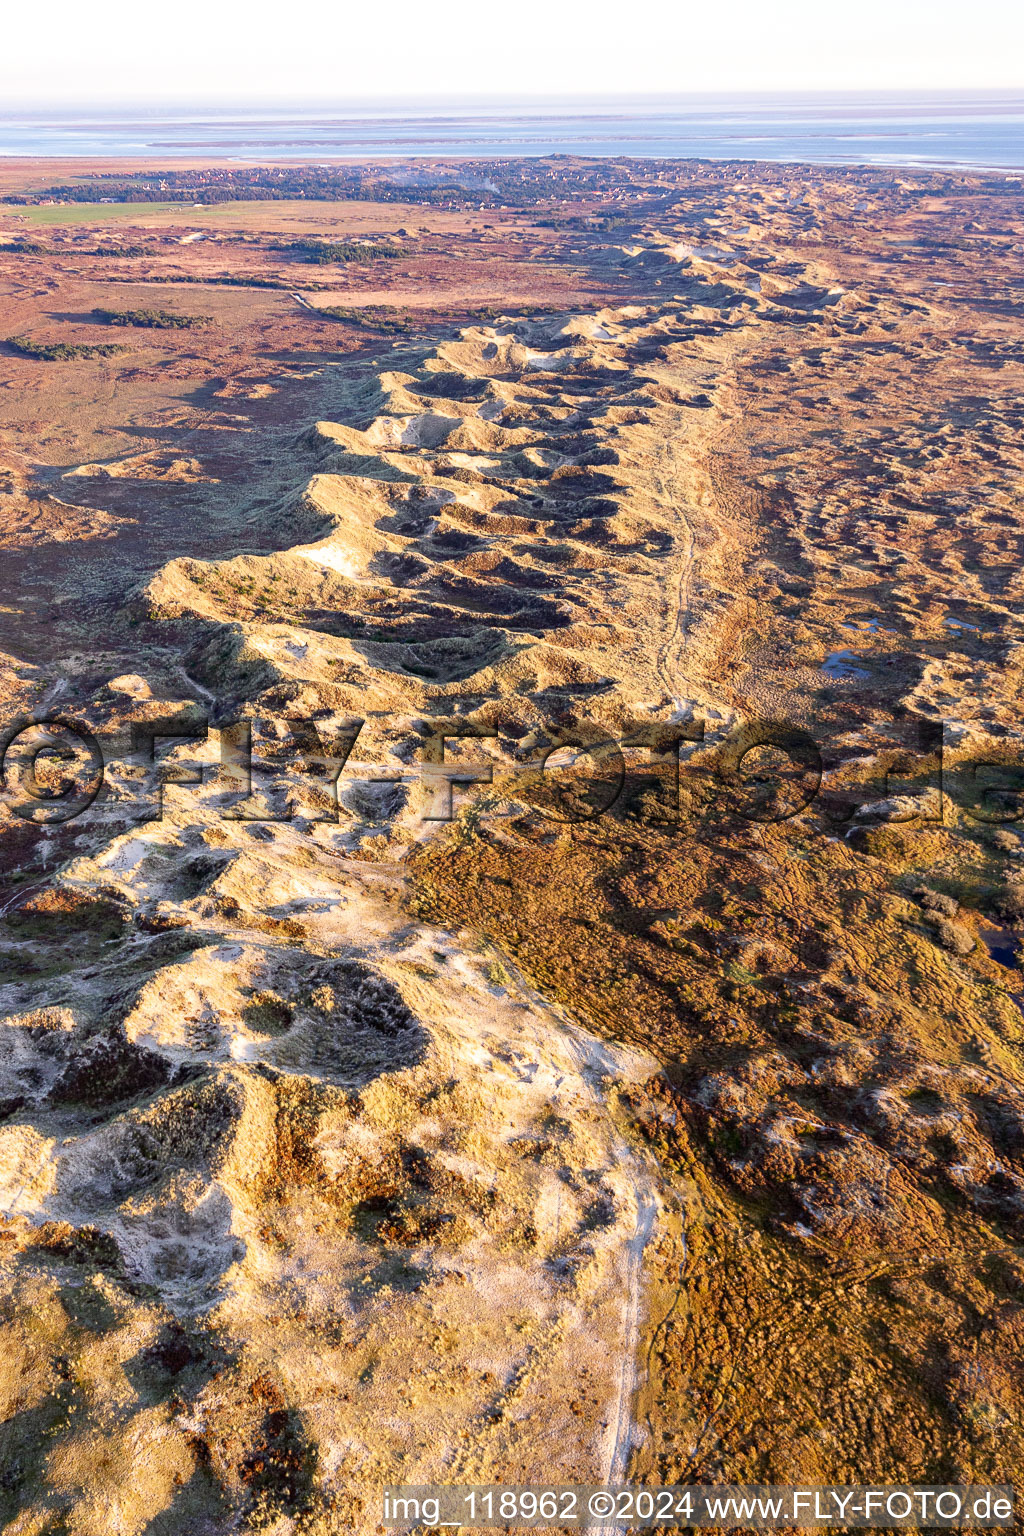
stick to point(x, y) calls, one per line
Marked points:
point(979, 131)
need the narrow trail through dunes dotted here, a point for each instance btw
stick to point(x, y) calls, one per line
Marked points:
point(598, 1068)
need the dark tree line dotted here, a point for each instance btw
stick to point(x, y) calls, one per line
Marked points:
point(154, 319)
point(61, 351)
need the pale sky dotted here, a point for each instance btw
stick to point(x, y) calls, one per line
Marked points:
point(334, 51)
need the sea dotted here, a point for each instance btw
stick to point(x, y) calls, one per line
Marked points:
point(980, 131)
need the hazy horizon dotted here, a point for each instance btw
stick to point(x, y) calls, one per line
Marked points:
point(565, 103)
point(978, 129)
point(224, 53)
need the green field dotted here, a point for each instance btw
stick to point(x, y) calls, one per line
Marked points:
point(79, 213)
point(299, 214)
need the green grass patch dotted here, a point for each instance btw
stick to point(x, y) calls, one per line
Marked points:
point(82, 213)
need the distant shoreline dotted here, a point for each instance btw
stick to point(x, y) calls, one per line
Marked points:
point(926, 131)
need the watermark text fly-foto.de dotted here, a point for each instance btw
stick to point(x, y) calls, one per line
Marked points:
point(54, 767)
point(893, 1507)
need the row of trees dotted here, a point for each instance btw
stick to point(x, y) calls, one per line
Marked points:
point(389, 322)
point(61, 351)
point(324, 253)
point(154, 319)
